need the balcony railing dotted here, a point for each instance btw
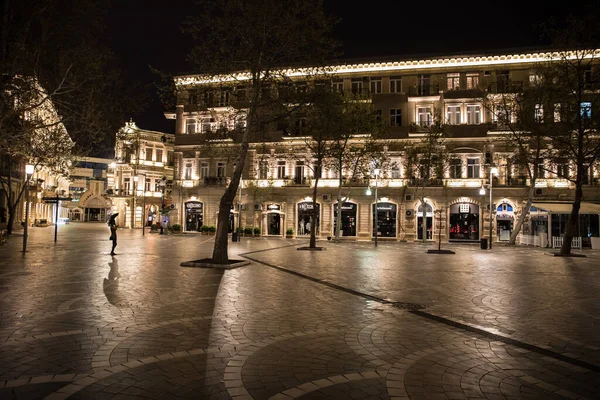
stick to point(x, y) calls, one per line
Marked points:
point(424, 90)
point(506, 87)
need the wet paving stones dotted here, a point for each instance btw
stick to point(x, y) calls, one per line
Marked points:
point(352, 322)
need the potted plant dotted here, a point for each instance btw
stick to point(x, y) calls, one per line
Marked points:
point(289, 233)
point(247, 231)
point(212, 229)
point(204, 229)
point(256, 231)
point(176, 228)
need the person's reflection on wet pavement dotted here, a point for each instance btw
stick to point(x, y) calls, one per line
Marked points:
point(111, 284)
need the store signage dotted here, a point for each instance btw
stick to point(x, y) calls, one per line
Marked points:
point(386, 207)
point(193, 204)
point(348, 206)
point(464, 208)
point(274, 207)
point(305, 206)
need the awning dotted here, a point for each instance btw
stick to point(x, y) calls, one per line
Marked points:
point(565, 208)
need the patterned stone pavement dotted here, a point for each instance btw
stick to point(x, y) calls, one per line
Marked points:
point(350, 322)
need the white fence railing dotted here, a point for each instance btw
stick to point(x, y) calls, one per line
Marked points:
point(557, 241)
point(529, 240)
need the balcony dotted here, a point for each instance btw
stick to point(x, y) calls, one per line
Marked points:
point(215, 181)
point(424, 90)
point(506, 87)
point(464, 94)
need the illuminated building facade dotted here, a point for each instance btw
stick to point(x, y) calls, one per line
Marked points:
point(407, 94)
point(140, 178)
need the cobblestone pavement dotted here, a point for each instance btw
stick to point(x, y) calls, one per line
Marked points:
point(350, 322)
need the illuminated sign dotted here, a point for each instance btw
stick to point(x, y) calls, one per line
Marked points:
point(193, 204)
point(464, 208)
point(274, 207)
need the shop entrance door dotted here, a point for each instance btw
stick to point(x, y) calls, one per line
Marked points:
point(273, 224)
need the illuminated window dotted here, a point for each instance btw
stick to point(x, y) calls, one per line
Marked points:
point(147, 185)
point(541, 170)
point(375, 85)
point(585, 108)
point(539, 113)
point(456, 168)
point(299, 177)
point(395, 117)
point(534, 79)
point(453, 81)
point(473, 114)
point(148, 153)
point(472, 80)
point(159, 155)
point(188, 170)
point(281, 169)
point(263, 170)
point(453, 115)
point(190, 126)
point(473, 168)
point(424, 116)
point(395, 84)
point(204, 170)
point(127, 185)
point(557, 112)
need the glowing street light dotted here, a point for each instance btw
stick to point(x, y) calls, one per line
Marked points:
point(28, 172)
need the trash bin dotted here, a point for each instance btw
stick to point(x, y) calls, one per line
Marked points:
point(483, 243)
point(234, 237)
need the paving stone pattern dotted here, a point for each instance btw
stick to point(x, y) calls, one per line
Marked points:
point(352, 322)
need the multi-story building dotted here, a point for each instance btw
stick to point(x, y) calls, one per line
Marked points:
point(140, 178)
point(407, 93)
point(87, 187)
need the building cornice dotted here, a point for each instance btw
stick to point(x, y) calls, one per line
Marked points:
point(399, 66)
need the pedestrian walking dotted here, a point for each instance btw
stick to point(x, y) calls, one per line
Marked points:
point(112, 224)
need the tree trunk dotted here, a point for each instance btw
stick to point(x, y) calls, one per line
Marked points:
point(573, 224)
point(220, 250)
point(513, 236)
point(315, 215)
point(338, 211)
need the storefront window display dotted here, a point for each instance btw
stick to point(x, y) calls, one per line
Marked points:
point(504, 221)
point(348, 227)
point(273, 219)
point(305, 217)
point(386, 219)
point(464, 222)
point(429, 221)
point(194, 216)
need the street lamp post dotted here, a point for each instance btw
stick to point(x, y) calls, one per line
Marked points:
point(135, 186)
point(376, 213)
point(28, 172)
point(144, 204)
point(493, 170)
point(162, 184)
point(239, 235)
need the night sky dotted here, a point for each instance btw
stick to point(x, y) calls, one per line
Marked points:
point(146, 32)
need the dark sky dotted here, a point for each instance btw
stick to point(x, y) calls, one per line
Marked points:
point(146, 32)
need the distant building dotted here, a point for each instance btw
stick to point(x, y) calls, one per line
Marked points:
point(88, 186)
point(140, 176)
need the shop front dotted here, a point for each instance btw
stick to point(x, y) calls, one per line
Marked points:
point(305, 218)
point(194, 216)
point(386, 219)
point(425, 214)
point(348, 226)
point(274, 220)
point(504, 221)
point(464, 222)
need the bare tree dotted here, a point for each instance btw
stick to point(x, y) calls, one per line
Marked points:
point(260, 38)
point(426, 162)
